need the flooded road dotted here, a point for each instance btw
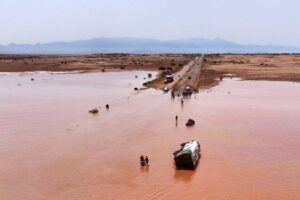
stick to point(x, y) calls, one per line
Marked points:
point(52, 148)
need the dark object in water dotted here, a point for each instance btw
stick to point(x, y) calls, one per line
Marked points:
point(103, 70)
point(190, 122)
point(142, 161)
point(32, 79)
point(147, 160)
point(94, 111)
point(107, 106)
point(149, 75)
point(188, 155)
point(136, 89)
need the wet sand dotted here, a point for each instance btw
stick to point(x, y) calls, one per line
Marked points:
point(52, 148)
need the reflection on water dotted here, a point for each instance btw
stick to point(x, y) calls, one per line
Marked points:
point(52, 148)
point(145, 168)
point(184, 175)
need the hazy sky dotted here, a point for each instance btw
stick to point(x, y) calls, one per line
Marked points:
point(244, 21)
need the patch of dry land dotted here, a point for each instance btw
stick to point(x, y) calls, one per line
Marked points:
point(188, 70)
point(250, 67)
point(88, 63)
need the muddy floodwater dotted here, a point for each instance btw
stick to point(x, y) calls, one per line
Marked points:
point(51, 148)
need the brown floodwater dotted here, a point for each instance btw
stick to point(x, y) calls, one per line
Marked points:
point(51, 148)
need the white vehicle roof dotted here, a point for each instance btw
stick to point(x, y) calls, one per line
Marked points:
point(190, 146)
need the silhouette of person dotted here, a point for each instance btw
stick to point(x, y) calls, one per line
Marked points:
point(142, 160)
point(147, 160)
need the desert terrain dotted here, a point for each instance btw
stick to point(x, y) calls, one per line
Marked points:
point(196, 71)
point(250, 67)
point(205, 71)
point(91, 63)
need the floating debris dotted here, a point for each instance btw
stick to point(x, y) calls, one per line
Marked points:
point(190, 122)
point(94, 111)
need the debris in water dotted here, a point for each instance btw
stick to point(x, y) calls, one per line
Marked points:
point(136, 89)
point(94, 111)
point(107, 106)
point(190, 122)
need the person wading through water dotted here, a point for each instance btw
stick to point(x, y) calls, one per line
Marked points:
point(142, 160)
point(147, 160)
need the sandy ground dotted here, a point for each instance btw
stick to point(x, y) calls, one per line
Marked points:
point(107, 62)
point(250, 67)
point(203, 76)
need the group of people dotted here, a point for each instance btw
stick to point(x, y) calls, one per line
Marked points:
point(144, 160)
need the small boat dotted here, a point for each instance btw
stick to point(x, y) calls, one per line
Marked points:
point(188, 156)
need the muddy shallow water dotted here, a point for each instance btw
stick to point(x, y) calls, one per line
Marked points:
point(52, 148)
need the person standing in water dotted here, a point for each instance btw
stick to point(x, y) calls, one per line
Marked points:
point(181, 102)
point(142, 160)
point(147, 160)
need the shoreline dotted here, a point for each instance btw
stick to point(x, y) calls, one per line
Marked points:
point(268, 67)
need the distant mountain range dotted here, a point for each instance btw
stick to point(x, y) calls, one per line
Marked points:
point(134, 45)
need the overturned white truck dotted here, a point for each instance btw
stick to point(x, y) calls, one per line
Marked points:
point(188, 155)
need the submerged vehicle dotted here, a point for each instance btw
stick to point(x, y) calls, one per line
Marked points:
point(188, 156)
